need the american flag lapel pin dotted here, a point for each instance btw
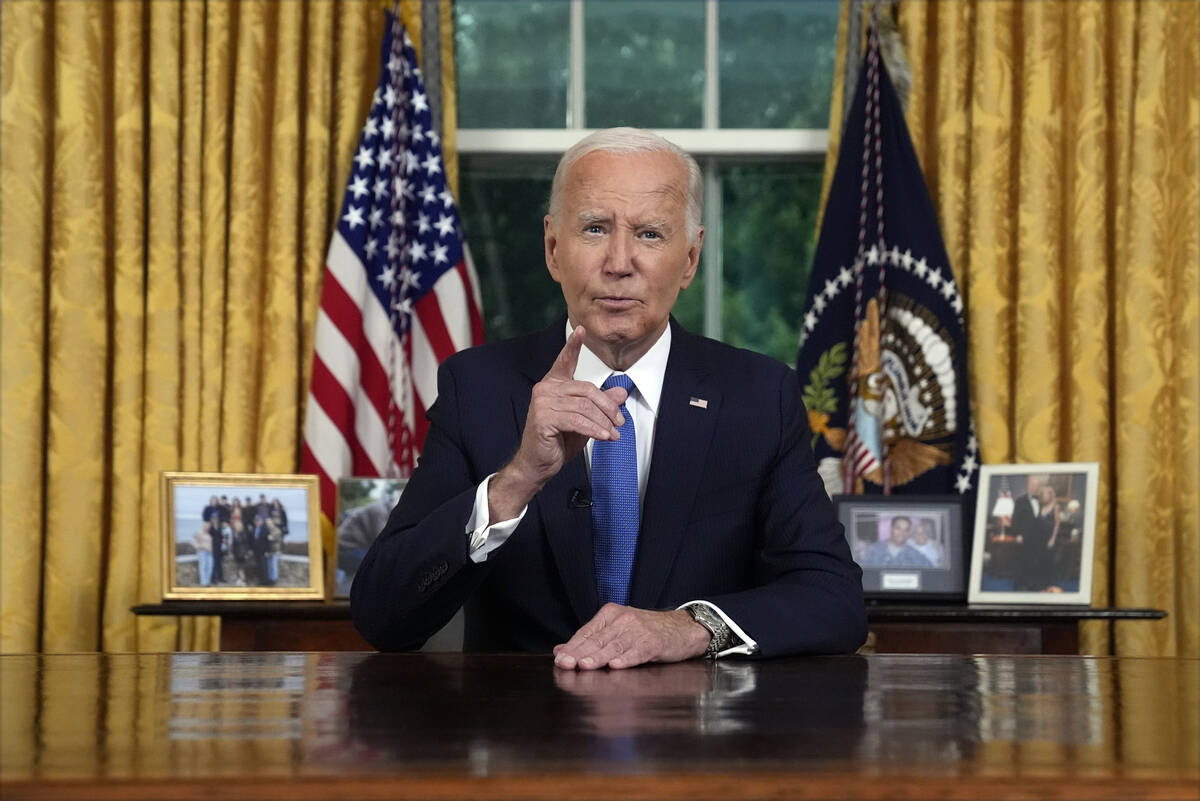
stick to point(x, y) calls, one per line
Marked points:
point(699, 403)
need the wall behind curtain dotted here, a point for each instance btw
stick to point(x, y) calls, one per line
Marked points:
point(1061, 145)
point(170, 176)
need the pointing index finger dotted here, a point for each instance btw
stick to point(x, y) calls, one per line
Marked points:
point(564, 366)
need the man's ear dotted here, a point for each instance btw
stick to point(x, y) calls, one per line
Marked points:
point(693, 260)
point(550, 236)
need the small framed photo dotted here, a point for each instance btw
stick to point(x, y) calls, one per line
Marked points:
point(241, 536)
point(1035, 531)
point(363, 507)
point(907, 545)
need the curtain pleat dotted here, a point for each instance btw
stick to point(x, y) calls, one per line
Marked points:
point(171, 173)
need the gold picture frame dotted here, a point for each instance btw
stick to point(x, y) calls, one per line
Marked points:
point(269, 549)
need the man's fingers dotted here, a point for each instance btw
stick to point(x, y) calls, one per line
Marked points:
point(568, 357)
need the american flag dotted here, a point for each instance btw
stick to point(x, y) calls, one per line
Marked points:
point(399, 295)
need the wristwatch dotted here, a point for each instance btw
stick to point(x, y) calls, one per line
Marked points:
point(722, 635)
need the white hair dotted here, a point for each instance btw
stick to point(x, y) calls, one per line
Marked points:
point(632, 140)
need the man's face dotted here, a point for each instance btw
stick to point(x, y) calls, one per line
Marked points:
point(620, 250)
point(923, 532)
point(900, 529)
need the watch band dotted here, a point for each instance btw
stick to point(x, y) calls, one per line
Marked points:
point(722, 635)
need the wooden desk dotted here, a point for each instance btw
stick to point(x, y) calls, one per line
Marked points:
point(470, 726)
point(895, 628)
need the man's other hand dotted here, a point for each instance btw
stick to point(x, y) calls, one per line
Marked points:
point(622, 637)
point(563, 415)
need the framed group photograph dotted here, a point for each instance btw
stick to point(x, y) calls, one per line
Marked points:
point(241, 536)
point(363, 507)
point(908, 546)
point(1035, 531)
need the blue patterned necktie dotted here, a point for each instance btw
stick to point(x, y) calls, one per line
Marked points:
point(615, 504)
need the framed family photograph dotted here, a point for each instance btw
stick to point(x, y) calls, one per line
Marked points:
point(241, 536)
point(1035, 531)
point(907, 545)
point(363, 507)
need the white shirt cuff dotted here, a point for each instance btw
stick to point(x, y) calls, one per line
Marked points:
point(484, 536)
point(747, 645)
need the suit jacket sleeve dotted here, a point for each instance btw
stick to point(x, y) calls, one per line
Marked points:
point(417, 573)
point(806, 590)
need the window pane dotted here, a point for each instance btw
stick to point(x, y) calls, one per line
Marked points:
point(511, 58)
point(644, 63)
point(776, 61)
point(503, 202)
point(768, 230)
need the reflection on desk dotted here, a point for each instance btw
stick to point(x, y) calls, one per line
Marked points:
point(353, 725)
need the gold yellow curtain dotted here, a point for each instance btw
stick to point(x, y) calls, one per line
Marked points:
point(1061, 144)
point(170, 173)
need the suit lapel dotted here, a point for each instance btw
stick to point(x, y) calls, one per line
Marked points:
point(682, 439)
point(561, 505)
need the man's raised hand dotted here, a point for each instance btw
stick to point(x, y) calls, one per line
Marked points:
point(563, 415)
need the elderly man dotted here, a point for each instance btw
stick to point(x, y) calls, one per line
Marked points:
point(614, 489)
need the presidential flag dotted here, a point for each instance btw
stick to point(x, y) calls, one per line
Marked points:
point(399, 294)
point(883, 353)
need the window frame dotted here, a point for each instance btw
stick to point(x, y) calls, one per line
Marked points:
point(710, 145)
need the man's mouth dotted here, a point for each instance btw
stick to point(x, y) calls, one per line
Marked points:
point(616, 301)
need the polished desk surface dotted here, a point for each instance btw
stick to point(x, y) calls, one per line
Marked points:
point(470, 726)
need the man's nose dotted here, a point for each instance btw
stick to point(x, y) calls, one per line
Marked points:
point(620, 255)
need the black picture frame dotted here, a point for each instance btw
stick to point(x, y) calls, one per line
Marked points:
point(930, 563)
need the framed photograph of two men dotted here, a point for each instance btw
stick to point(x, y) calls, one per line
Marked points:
point(241, 536)
point(1035, 532)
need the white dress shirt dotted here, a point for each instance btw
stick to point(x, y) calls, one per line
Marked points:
point(647, 374)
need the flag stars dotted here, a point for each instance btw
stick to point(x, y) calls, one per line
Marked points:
point(410, 279)
point(395, 64)
point(429, 194)
point(392, 247)
point(948, 290)
point(397, 218)
point(417, 251)
point(389, 97)
point(432, 164)
point(439, 254)
point(423, 225)
point(963, 484)
point(447, 198)
point(830, 289)
point(353, 217)
point(819, 303)
point(920, 268)
point(895, 255)
point(403, 306)
point(445, 226)
point(845, 277)
point(418, 133)
point(957, 305)
point(364, 158)
point(906, 260)
point(810, 321)
point(384, 157)
point(420, 101)
point(934, 278)
point(370, 248)
point(375, 218)
point(411, 162)
point(359, 186)
point(387, 129)
point(372, 129)
point(388, 277)
point(381, 188)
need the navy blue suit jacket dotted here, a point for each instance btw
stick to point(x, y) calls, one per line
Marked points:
point(734, 513)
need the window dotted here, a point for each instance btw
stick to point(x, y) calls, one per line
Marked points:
point(743, 85)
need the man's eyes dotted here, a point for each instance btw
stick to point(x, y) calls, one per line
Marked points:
point(651, 234)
